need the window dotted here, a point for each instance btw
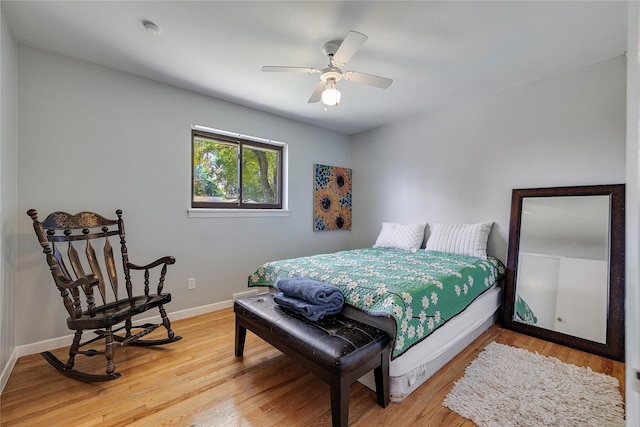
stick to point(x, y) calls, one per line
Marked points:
point(235, 172)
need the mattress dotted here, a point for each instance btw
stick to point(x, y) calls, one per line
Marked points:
point(419, 363)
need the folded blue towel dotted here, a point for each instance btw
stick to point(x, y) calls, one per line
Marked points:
point(313, 312)
point(310, 291)
point(309, 298)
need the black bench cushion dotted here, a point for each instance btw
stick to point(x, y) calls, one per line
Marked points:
point(331, 342)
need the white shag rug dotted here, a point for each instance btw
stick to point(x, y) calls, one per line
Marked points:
point(507, 386)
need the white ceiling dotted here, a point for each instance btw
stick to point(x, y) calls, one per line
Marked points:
point(437, 53)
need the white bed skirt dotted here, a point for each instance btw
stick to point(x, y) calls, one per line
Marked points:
point(419, 363)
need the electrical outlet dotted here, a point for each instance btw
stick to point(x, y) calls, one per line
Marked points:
point(191, 283)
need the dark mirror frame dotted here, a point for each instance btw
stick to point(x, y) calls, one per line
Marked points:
point(614, 346)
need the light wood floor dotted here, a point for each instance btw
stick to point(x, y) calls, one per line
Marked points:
point(199, 382)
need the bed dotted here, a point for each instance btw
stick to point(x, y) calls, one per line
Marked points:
point(432, 303)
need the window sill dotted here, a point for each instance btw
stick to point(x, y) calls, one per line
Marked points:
point(236, 213)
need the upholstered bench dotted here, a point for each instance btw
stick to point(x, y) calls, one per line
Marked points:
point(337, 349)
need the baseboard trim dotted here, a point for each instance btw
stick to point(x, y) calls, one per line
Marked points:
point(6, 372)
point(247, 293)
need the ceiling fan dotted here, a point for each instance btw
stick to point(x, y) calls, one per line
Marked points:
point(339, 52)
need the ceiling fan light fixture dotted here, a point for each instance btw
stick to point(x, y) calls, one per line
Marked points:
point(331, 96)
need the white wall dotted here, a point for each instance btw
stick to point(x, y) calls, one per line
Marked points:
point(459, 164)
point(97, 139)
point(8, 197)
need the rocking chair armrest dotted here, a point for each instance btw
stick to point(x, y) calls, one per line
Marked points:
point(85, 281)
point(167, 260)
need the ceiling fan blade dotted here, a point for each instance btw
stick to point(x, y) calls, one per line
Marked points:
point(350, 45)
point(369, 79)
point(308, 70)
point(317, 93)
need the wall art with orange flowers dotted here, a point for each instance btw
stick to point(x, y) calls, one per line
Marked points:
point(332, 198)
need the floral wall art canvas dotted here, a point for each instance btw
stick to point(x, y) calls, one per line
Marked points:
point(332, 198)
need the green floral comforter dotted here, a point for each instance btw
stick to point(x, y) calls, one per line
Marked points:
point(524, 312)
point(421, 290)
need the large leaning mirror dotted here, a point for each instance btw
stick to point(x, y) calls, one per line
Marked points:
point(565, 267)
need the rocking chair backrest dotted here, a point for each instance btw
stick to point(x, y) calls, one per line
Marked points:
point(60, 233)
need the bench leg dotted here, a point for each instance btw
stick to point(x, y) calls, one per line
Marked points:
point(339, 402)
point(381, 375)
point(241, 335)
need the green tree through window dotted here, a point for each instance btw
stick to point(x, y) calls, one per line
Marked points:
point(235, 173)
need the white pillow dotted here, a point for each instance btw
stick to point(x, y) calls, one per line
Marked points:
point(461, 239)
point(400, 236)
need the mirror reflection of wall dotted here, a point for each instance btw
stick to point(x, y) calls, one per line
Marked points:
point(563, 265)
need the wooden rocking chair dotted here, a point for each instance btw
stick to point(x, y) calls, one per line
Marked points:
point(115, 311)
